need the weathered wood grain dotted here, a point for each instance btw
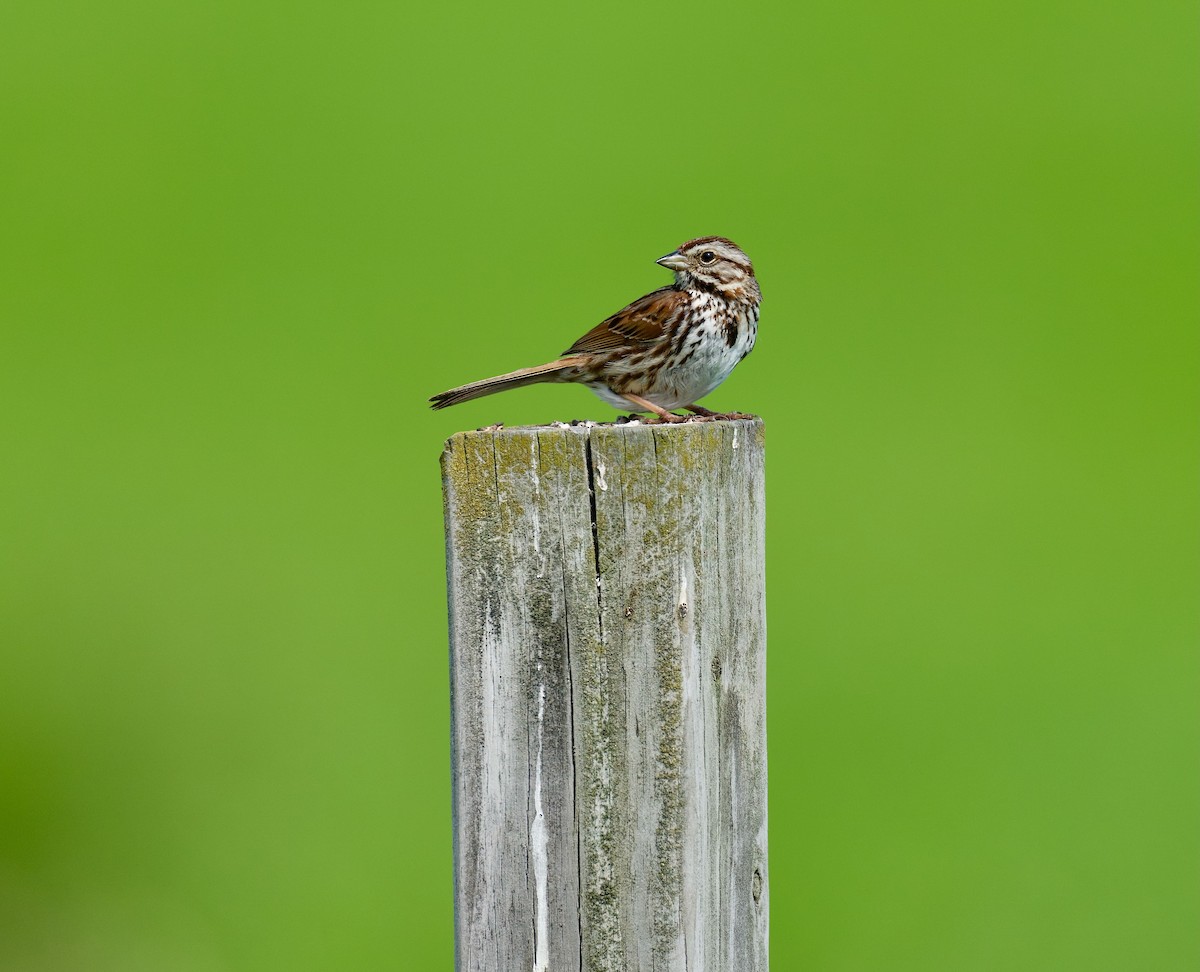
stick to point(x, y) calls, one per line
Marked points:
point(608, 650)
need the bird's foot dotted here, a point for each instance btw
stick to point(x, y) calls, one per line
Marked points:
point(707, 415)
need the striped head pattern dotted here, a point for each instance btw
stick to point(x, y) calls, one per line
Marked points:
point(716, 265)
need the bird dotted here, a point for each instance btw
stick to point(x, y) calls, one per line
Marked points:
point(666, 350)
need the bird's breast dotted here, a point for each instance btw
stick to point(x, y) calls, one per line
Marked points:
point(718, 338)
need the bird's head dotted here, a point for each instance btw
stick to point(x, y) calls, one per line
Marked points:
point(714, 264)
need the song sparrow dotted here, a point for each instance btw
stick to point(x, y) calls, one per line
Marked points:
point(667, 350)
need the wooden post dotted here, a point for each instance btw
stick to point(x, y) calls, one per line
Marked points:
point(607, 656)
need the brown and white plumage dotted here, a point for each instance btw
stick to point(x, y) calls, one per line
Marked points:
point(664, 351)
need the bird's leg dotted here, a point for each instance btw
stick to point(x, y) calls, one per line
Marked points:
point(644, 406)
point(702, 411)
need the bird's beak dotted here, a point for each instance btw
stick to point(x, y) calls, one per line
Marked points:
point(673, 261)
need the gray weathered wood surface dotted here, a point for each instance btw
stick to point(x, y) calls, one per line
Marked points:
point(608, 650)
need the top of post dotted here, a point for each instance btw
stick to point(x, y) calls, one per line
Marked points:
point(697, 430)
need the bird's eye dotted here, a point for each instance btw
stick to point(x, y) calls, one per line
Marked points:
point(708, 257)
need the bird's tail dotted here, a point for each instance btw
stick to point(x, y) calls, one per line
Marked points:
point(561, 370)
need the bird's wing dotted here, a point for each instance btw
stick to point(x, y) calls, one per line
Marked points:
point(644, 322)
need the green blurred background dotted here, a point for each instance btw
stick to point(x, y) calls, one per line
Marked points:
point(244, 241)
